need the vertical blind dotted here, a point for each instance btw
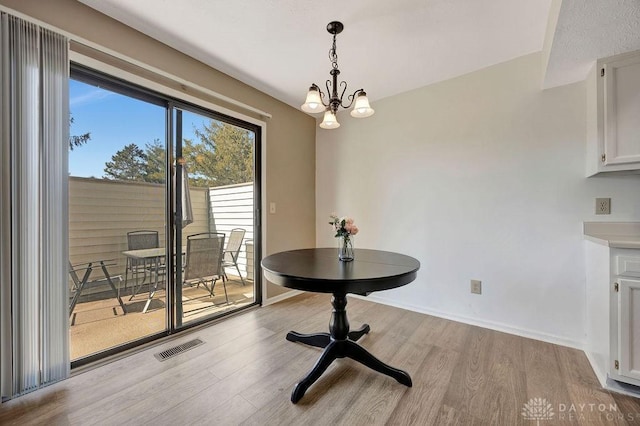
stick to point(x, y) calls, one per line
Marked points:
point(34, 132)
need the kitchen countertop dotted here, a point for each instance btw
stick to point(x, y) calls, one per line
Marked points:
point(614, 234)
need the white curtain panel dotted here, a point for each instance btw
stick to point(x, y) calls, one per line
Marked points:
point(34, 123)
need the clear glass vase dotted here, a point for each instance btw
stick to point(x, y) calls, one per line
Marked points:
point(345, 248)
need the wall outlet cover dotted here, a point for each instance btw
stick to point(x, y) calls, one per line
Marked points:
point(603, 205)
point(476, 286)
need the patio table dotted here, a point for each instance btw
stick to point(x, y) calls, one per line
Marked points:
point(154, 256)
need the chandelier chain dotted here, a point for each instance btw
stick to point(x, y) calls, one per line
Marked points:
point(333, 55)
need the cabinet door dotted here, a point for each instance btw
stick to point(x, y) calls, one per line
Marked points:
point(621, 111)
point(629, 328)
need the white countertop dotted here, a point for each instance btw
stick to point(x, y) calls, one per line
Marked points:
point(614, 234)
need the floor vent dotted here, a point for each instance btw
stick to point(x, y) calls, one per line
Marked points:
point(170, 353)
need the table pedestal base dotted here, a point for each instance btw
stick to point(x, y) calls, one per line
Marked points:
point(340, 343)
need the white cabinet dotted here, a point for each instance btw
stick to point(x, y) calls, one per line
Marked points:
point(625, 316)
point(629, 329)
point(613, 108)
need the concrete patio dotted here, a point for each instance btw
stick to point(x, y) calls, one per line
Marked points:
point(102, 212)
point(98, 323)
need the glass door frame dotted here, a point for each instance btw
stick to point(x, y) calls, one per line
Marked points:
point(89, 75)
point(175, 152)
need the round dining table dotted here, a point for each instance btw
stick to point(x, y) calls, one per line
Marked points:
point(319, 270)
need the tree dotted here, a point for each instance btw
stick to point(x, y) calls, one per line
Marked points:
point(127, 164)
point(223, 156)
point(77, 140)
point(155, 162)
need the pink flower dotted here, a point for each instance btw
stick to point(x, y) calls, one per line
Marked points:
point(351, 228)
point(344, 226)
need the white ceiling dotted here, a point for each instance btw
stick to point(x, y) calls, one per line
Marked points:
point(588, 30)
point(387, 47)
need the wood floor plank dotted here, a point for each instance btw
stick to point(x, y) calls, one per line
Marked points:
point(206, 408)
point(147, 398)
point(503, 400)
point(628, 407)
point(492, 379)
point(422, 403)
point(333, 391)
point(376, 405)
point(575, 367)
point(450, 416)
point(467, 386)
point(282, 380)
point(136, 376)
point(245, 371)
point(224, 366)
point(506, 354)
point(505, 390)
point(589, 406)
point(543, 375)
point(454, 335)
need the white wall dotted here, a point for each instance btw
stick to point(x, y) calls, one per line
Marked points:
point(479, 177)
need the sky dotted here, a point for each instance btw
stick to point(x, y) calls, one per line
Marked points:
point(114, 120)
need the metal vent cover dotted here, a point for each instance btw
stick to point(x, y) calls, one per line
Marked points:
point(177, 350)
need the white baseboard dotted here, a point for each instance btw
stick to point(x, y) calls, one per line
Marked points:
point(280, 297)
point(532, 334)
point(600, 374)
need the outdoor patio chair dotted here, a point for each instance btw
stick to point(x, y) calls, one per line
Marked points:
point(79, 284)
point(138, 240)
point(204, 261)
point(232, 252)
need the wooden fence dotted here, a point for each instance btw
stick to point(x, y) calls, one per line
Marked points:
point(101, 212)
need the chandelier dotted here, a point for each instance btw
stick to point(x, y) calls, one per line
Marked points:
point(315, 102)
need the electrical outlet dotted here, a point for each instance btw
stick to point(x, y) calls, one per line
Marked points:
point(476, 286)
point(272, 208)
point(603, 205)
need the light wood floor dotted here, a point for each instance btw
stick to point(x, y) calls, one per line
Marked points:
point(245, 371)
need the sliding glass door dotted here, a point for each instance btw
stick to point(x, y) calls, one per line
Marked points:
point(217, 249)
point(117, 177)
point(163, 211)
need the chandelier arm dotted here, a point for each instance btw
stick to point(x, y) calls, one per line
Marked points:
point(352, 98)
point(322, 95)
point(327, 85)
point(342, 94)
point(322, 100)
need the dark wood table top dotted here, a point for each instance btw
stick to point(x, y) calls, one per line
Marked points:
point(320, 270)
